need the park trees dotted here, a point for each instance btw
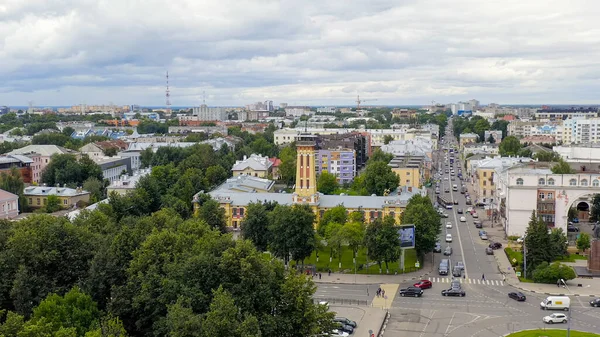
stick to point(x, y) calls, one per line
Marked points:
point(595, 209)
point(379, 178)
point(382, 241)
point(255, 226)
point(67, 169)
point(509, 146)
point(327, 183)
point(420, 212)
point(583, 242)
point(292, 232)
point(542, 245)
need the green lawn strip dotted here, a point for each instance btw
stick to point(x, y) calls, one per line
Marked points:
point(551, 333)
point(572, 258)
point(323, 265)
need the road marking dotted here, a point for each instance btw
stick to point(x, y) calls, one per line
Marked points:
point(426, 325)
point(462, 252)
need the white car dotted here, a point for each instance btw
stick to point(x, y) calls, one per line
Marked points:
point(340, 333)
point(555, 318)
point(463, 219)
point(475, 215)
point(448, 237)
point(449, 225)
point(520, 240)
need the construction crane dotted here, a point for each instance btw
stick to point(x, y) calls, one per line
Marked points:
point(358, 101)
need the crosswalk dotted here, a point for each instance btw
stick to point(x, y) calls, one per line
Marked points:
point(467, 281)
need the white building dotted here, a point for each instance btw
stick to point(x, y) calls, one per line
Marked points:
point(327, 109)
point(297, 112)
point(581, 131)
point(481, 148)
point(583, 154)
point(206, 113)
point(413, 147)
point(127, 183)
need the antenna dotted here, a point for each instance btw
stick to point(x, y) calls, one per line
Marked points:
point(203, 97)
point(168, 95)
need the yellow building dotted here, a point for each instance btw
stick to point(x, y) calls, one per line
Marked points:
point(468, 138)
point(255, 165)
point(235, 202)
point(411, 170)
point(485, 187)
point(37, 196)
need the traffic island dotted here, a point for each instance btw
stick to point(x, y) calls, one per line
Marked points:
point(551, 333)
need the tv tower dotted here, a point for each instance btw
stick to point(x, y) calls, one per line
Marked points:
point(168, 95)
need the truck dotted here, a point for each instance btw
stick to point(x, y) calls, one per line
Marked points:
point(556, 303)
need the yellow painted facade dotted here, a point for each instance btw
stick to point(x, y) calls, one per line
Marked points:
point(409, 176)
point(38, 201)
point(485, 186)
point(250, 172)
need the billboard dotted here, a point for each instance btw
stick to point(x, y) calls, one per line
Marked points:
point(406, 234)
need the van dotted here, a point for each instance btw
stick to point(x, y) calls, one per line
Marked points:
point(556, 303)
point(454, 188)
point(444, 267)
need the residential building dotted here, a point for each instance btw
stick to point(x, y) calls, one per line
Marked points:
point(581, 131)
point(495, 134)
point(340, 162)
point(538, 140)
point(557, 114)
point(461, 109)
point(41, 156)
point(4, 110)
point(246, 184)
point(404, 113)
point(328, 109)
point(22, 163)
point(98, 149)
point(467, 138)
point(234, 203)
point(353, 140)
point(419, 147)
point(37, 196)
point(298, 111)
point(485, 188)
point(472, 162)
point(127, 183)
point(113, 167)
point(255, 165)
point(481, 148)
point(204, 113)
point(9, 205)
point(209, 130)
point(261, 106)
point(522, 128)
point(275, 168)
point(412, 170)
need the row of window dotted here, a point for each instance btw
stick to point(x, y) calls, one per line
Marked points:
point(38, 201)
point(572, 182)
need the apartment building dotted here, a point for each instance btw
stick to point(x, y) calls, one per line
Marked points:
point(485, 172)
point(581, 131)
point(37, 196)
point(9, 205)
point(40, 156)
point(467, 138)
point(564, 114)
point(353, 140)
point(412, 170)
point(340, 162)
point(255, 165)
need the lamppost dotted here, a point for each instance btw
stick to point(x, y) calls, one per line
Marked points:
point(569, 313)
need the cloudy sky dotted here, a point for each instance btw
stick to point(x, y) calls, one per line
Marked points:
point(62, 52)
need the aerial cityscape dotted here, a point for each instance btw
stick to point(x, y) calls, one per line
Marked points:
point(299, 169)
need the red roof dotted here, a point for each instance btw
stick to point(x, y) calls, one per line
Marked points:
point(275, 161)
point(509, 117)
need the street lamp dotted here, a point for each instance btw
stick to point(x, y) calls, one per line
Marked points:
point(569, 313)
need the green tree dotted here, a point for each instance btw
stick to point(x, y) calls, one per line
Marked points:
point(292, 233)
point(378, 178)
point(52, 139)
point(13, 323)
point(67, 169)
point(12, 182)
point(595, 209)
point(95, 187)
point(223, 318)
point(381, 156)
point(420, 212)
point(110, 151)
point(336, 214)
point(501, 125)
point(583, 242)
point(109, 327)
point(540, 247)
point(480, 127)
point(548, 156)
point(52, 204)
point(550, 273)
point(491, 139)
point(562, 167)
point(509, 146)
point(327, 183)
point(211, 212)
point(67, 131)
point(572, 213)
point(215, 175)
point(182, 321)
point(559, 243)
point(287, 168)
point(255, 226)
point(354, 236)
point(334, 236)
point(387, 139)
point(382, 241)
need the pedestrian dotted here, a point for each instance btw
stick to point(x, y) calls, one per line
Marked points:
point(329, 272)
point(382, 293)
point(483, 277)
point(464, 276)
point(558, 284)
point(319, 276)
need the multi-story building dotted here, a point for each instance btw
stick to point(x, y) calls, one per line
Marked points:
point(113, 167)
point(4, 110)
point(495, 134)
point(297, 111)
point(419, 147)
point(37, 196)
point(203, 114)
point(354, 140)
point(581, 131)
point(412, 170)
point(41, 156)
point(340, 162)
point(127, 183)
point(467, 138)
point(552, 130)
point(234, 202)
point(255, 165)
point(481, 148)
point(557, 114)
point(404, 113)
point(22, 163)
point(461, 109)
point(538, 140)
point(328, 109)
point(486, 169)
point(521, 128)
point(9, 205)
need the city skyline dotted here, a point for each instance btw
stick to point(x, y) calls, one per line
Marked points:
point(301, 53)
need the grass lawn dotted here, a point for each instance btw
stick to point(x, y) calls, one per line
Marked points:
point(410, 257)
point(572, 258)
point(551, 333)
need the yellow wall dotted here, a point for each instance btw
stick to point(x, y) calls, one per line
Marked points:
point(250, 172)
point(36, 201)
point(464, 141)
point(486, 186)
point(409, 176)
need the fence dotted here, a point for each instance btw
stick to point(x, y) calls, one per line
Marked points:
point(343, 301)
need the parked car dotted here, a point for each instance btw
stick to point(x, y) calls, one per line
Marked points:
point(483, 237)
point(460, 264)
point(517, 295)
point(453, 292)
point(575, 220)
point(495, 245)
point(444, 215)
point(423, 284)
point(555, 318)
point(345, 321)
point(448, 251)
point(463, 219)
point(448, 237)
point(437, 248)
point(595, 302)
point(475, 215)
point(477, 224)
point(340, 333)
point(572, 228)
point(411, 291)
point(489, 251)
point(345, 327)
point(520, 240)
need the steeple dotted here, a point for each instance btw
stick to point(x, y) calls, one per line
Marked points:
point(306, 176)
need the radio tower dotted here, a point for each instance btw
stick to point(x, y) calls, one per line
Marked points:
point(168, 95)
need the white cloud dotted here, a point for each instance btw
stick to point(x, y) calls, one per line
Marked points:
point(239, 51)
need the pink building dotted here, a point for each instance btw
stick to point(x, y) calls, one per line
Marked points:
point(41, 155)
point(9, 205)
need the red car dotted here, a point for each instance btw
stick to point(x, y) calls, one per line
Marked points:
point(423, 284)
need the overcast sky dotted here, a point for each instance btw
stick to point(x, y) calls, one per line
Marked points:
point(63, 52)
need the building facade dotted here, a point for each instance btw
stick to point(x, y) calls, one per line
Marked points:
point(255, 165)
point(37, 196)
point(340, 162)
point(411, 170)
point(22, 163)
point(9, 205)
point(41, 156)
point(467, 138)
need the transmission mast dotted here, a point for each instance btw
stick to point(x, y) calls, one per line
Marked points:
point(168, 96)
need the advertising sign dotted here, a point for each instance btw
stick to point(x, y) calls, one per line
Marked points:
point(406, 233)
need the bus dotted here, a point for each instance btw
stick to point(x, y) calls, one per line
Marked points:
point(443, 202)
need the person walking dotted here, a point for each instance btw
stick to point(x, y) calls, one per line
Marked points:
point(382, 293)
point(319, 276)
point(329, 272)
point(483, 277)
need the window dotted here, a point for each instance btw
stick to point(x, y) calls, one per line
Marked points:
point(485, 174)
point(393, 214)
point(65, 201)
point(234, 211)
point(541, 181)
point(550, 196)
point(584, 182)
point(241, 212)
point(520, 181)
point(573, 182)
point(595, 183)
point(485, 183)
point(541, 195)
point(551, 181)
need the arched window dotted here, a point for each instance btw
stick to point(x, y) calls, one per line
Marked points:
point(595, 183)
point(573, 182)
point(541, 181)
point(551, 181)
point(584, 182)
point(520, 181)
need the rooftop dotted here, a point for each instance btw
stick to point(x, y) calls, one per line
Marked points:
point(43, 150)
point(255, 162)
point(244, 183)
point(58, 191)
point(5, 195)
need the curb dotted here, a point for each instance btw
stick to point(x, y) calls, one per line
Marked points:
point(374, 282)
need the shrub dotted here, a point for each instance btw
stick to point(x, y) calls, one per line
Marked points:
point(514, 255)
point(550, 273)
point(513, 238)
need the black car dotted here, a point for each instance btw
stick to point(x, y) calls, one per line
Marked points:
point(572, 228)
point(468, 202)
point(453, 292)
point(595, 302)
point(456, 272)
point(477, 224)
point(345, 321)
point(437, 248)
point(411, 291)
point(345, 327)
point(459, 210)
point(495, 245)
point(517, 295)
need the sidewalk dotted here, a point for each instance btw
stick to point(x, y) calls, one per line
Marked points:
point(367, 319)
point(339, 278)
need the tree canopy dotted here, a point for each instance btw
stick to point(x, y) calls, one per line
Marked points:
point(562, 167)
point(420, 212)
point(327, 183)
point(509, 146)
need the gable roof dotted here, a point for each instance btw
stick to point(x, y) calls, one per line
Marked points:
point(255, 162)
point(44, 150)
point(5, 195)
